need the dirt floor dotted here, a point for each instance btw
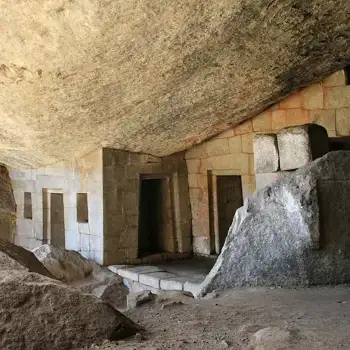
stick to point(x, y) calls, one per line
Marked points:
point(316, 318)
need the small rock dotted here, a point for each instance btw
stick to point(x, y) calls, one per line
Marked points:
point(171, 304)
point(136, 299)
point(271, 338)
point(212, 295)
point(224, 344)
point(139, 337)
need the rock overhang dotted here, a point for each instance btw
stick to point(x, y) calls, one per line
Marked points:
point(153, 77)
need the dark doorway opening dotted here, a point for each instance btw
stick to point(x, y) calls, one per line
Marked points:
point(57, 237)
point(155, 220)
point(229, 199)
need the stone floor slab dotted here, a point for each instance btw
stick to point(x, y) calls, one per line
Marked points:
point(134, 272)
point(153, 279)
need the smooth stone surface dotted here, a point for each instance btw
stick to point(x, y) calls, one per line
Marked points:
point(266, 155)
point(136, 299)
point(172, 283)
point(300, 145)
point(153, 279)
point(134, 272)
point(277, 237)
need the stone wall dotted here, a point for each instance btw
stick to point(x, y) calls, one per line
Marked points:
point(121, 190)
point(326, 103)
point(7, 206)
point(69, 178)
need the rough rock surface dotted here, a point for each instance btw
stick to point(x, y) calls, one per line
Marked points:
point(272, 338)
point(292, 232)
point(72, 268)
point(65, 265)
point(14, 255)
point(153, 76)
point(40, 313)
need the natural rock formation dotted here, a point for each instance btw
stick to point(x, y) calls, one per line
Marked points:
point(292, 232)
point(64, 265)
point(40, 313)
point(14, 255)
point(153, 76)
point(87, 276)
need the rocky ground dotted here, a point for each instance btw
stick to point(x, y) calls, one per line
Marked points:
point(264, 319)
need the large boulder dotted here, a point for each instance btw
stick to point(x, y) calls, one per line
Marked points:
point(65, 265)
point(41, 313)
point(295, 231)
point(16, 256)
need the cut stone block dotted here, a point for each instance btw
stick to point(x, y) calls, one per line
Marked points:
point(173, 283)
point(153, 279)
point(193, 288)
point(266, 156)
point(300, 145)
point(115, 268)
point(133, 273)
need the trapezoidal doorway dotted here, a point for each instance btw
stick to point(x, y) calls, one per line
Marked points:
point(53, 218)
point(155, 229)
point(225, 198)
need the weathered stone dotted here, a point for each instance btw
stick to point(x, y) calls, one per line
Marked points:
point(134, 272)
point(272, 338)
point(136, 299)
point(343, 121)
point(278, 119)
point(64, 265)
point(266, 157)
point(171, 304)
point(153, 279)
point(69, 318)
point(278, 238)
point(292, 101)
point(262, 122)
point(262, 180)
point(172, 283)
point(19, 255)
point(300, 145)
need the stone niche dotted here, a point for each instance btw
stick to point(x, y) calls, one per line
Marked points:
point(7, 206)
point(146, 207)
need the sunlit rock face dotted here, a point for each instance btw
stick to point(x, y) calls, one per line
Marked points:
point(153, 76)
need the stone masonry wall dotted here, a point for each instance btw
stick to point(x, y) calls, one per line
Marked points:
point(7, 206)
point(121, 190)
point(77, 176)
point(326, 103)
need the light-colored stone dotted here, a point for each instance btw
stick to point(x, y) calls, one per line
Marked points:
point(264, 179)
point(134, 272)
point(244, 128)
point(217, 147)
point(193, 166)
point(64, 265)
point(262, 122)
point(235, 144)
point(337, 97)
point(70, 316)
point(278, 236)
point(247, 143)
point(323, 117)
point(193, 288)
point(153, 279)
point(300, 145)
point(228, 133)
point(137, 299)
point(278, 119)
point(115, 268)
point(266, 155)
point(312, 96)
point(172, 283)
point(201, 245)
point(296, 116)
point(292, 101)
point(336, 79)
point(192, 181)
point(271, 338)
point(196, 152)
point(343, 122)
